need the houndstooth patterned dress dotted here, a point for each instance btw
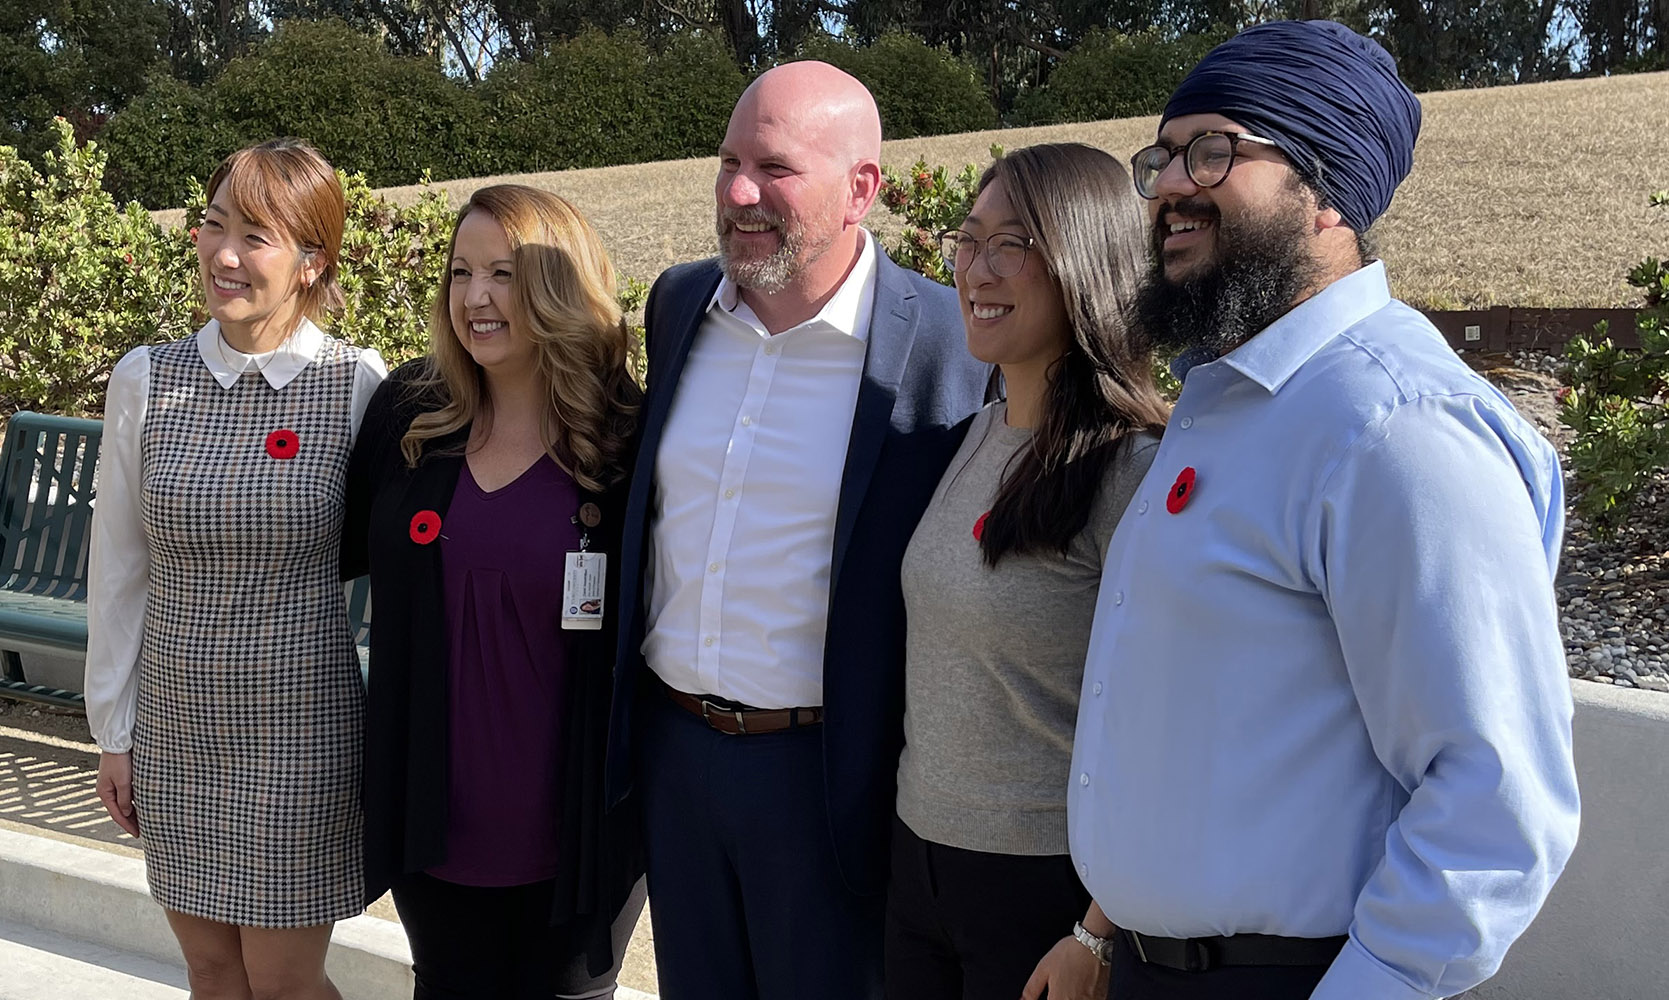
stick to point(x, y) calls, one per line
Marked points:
point(246, 743)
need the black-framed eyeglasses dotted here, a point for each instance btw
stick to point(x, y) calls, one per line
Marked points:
point(1208, 158)
point(1005, 253)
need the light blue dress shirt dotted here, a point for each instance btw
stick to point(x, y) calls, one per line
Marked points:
point(1329, 693)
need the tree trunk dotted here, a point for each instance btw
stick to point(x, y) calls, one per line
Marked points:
point(741, 31)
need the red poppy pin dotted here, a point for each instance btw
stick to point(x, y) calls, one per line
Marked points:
point(1181, 491)
point(283, 444)
point(425, 527)
point(979, 527)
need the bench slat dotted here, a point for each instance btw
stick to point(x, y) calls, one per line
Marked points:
point(47, 481)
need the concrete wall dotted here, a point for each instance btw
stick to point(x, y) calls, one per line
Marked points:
point(1605, 930)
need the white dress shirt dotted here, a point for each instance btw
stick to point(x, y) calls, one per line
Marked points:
point(747, 487)
point(118, 565)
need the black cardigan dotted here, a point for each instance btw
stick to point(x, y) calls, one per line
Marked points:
point(406, 751)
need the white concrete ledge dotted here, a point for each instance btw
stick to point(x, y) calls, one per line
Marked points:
point(1602, 932)
point(101, 898)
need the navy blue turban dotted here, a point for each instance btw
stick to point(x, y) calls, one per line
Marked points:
point(1330, 100)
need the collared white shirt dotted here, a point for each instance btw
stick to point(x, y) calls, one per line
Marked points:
point(118, 565)
point(747, 487)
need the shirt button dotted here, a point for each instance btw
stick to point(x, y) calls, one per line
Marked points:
point(712, 567)
point(1083, 779)
point(729, 494)
point(1143, 508)
point(1187, 422)
point(1118, 598)
point(747, 421)
point(1097, 688)
point(770, 348)
point(707, 641)
point(1083, 871)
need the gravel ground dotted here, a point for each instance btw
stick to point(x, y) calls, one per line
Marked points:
point(1613, 592)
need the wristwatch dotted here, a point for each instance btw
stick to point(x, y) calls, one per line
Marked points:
point(1101, 948)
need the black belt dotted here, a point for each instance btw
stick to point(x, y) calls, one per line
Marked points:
point(1200, 954)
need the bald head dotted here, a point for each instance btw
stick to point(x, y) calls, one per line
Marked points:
point(833, 112)
point(798, 170)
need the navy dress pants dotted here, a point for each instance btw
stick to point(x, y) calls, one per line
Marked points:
point(746, 899)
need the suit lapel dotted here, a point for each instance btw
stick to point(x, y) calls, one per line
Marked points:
point(671, 349)
point(674, 352)
point(892, 329)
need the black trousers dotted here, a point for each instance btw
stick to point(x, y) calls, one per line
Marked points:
point(474, 943)
point(966, 925)
point(1134, 980)
point(749, 900)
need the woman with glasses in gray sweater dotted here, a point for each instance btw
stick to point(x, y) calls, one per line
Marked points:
point(1001, 576)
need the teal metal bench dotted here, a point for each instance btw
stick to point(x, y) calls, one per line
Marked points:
point(46, 515)
point(46, 508)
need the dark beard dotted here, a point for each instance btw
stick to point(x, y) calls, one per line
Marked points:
point(1263, 265)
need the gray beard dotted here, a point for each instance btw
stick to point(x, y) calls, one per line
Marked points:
point(776, 271)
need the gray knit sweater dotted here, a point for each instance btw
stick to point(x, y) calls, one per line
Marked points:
point(995, 657)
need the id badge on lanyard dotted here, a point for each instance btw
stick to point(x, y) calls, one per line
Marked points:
point(584, 576)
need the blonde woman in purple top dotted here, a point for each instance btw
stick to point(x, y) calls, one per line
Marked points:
point(482, 472)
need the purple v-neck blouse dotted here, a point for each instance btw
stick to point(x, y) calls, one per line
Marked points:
point(502, 557)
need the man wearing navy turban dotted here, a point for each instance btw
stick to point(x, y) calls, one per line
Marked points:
point(1323, 746)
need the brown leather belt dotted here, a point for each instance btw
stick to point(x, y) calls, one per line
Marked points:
point(744, 721)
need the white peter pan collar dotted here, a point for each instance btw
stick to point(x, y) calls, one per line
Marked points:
point(279, 367)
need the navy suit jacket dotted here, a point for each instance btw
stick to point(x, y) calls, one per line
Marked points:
point(919, 382)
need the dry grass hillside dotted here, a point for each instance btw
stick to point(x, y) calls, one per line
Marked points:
point(1531, 196)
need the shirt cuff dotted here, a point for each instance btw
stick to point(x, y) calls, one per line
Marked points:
point(1357, 975)
point(123, 745)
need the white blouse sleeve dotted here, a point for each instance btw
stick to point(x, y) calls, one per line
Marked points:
point(119, 564)
point(367, 376)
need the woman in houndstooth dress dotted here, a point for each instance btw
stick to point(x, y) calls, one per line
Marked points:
point(222, 683)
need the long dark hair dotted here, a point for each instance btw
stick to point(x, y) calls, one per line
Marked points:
point(1081, 210)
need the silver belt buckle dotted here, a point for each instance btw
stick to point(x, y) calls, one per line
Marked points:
point(708, 707)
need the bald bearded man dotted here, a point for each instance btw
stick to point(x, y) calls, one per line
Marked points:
point(802, 392)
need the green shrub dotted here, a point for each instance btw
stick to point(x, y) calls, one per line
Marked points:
point(598, 100)
point(1618, 404)
point(929, 200)
point(693, 85)
point(388, 117)
point(920, 90)
point(1113, 75)
point(82, 281)
point(158, 145)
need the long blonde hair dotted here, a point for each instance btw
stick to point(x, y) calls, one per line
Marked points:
point(563, 297)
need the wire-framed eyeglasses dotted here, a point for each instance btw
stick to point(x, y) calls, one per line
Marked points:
point(1005, 253)
point(1208, 158)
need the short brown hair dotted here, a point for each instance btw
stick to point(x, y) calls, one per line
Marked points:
point(285, 185)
